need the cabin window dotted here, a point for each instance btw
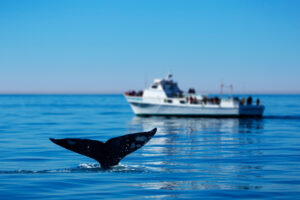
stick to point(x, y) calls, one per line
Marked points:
point(168, 101)
point(182, 102)
point(154, 86)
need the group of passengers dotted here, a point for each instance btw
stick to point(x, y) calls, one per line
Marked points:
point(205, 100)
point(248, 101)
point(134, 93)
point(217, 100)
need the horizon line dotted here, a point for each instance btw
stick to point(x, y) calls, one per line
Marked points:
point(121, 93)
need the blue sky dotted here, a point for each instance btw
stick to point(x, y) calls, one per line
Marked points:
point(62, 46)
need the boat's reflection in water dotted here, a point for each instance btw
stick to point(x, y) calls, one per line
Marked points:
point(205, 153)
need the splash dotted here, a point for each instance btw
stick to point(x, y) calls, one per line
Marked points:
point(85, 168)
point(89, 166)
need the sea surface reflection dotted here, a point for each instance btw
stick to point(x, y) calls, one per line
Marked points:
point(206, 153)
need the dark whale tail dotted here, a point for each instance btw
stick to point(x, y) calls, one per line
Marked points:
point(109, 153)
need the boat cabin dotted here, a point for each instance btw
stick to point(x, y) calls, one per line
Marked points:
point(164, 88)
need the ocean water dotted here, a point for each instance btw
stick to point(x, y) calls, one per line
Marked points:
point(188, 158)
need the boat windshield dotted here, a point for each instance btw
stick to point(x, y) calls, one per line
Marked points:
point(171, 89)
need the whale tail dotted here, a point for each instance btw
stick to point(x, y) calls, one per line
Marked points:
point(109, 153)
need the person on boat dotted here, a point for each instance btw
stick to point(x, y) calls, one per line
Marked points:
point(249, 100)
point(191, 100)
point(243, 101)
point(192, 91)
point(217, 100)
point(140, 93)
point(204, 99)
point(257, 101)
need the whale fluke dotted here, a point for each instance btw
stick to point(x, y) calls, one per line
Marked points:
point(109, 153)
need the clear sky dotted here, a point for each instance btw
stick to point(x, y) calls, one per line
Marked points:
point(71, 46)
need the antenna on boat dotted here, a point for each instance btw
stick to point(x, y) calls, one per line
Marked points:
point(145, 80)
point(221, 88)
point(169, 76)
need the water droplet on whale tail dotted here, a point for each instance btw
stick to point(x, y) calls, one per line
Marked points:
point(109, 153)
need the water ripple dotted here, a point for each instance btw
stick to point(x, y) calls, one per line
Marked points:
point(189, 158)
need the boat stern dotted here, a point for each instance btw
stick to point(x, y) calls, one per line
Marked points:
point(251, 110)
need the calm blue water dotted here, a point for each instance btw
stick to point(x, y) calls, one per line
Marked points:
point(187, 158)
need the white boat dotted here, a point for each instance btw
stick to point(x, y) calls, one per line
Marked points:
point(164, 98)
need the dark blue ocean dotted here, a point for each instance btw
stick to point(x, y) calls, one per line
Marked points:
point(188, 158)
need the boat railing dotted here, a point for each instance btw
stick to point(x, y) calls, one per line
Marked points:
point(194, 100)
point(197, 99)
